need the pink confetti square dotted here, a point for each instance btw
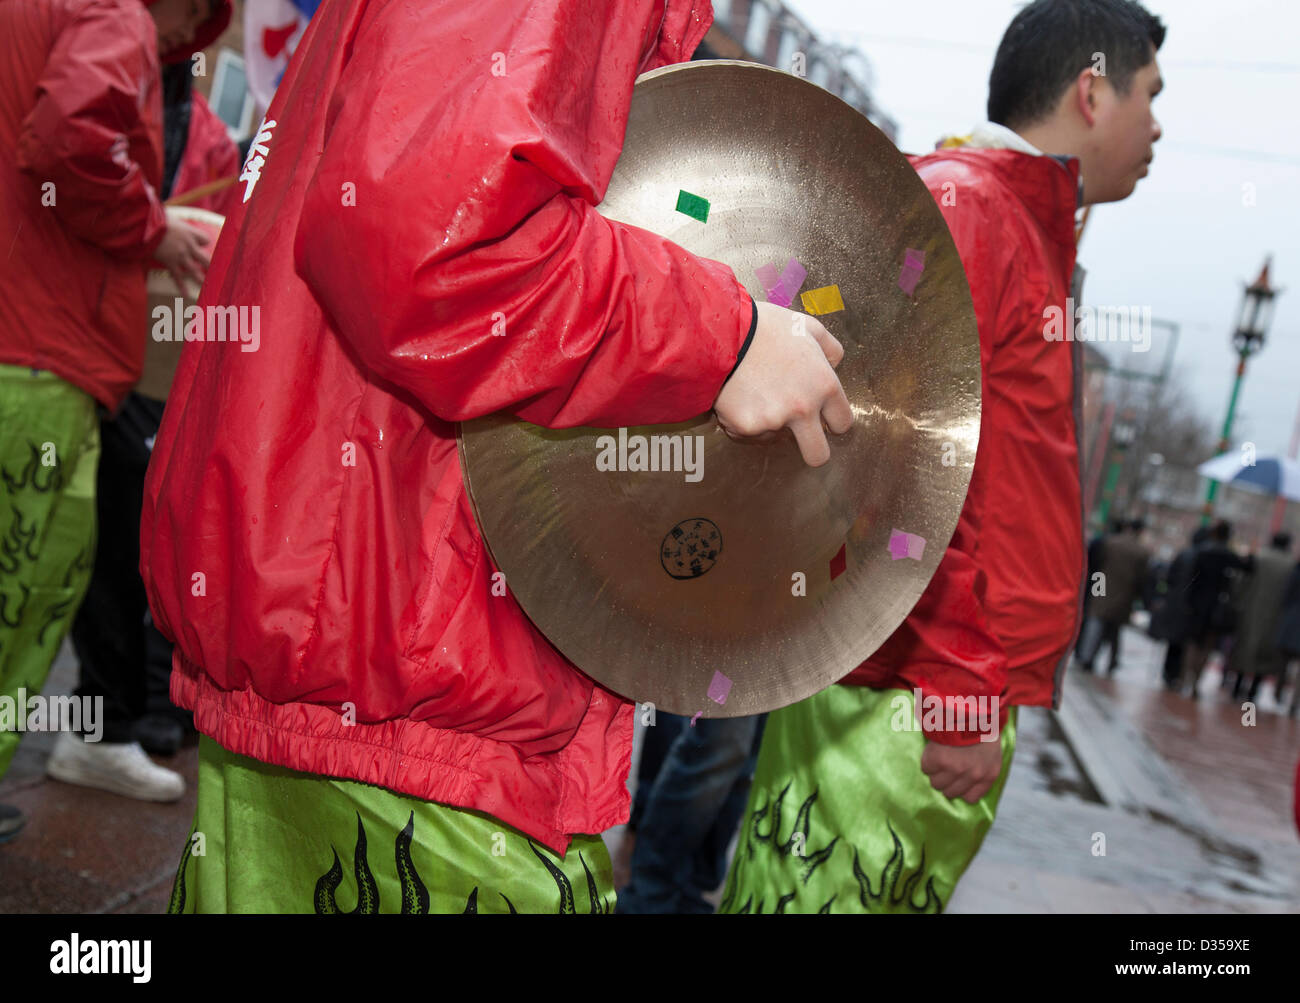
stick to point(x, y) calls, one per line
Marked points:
point(781, 288)
point(903, 545)
point(913, 267)
point(719, 688)
point(792, 277)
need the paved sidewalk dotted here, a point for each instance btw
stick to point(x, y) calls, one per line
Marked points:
point(1195, 807)
point(86, 851)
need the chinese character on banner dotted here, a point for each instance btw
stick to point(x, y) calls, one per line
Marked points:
point(272, 30)
point(257, 152)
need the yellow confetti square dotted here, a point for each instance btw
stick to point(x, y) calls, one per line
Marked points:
point(827, 299)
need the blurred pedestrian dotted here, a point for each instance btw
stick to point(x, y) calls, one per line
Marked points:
point(1288, 638)
point(81, 124)
point(1090, 628)
point(1255, 654)
point(1123, 568)
point(1209, 595)
point(1148, 592)
point(1171, 613)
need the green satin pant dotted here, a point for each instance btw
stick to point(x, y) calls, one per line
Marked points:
point(49, 452)
point(841, 818)
point(270, 840)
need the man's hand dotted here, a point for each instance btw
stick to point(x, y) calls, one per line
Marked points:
point(184, 252)
point(962, 771)
point(787, 380)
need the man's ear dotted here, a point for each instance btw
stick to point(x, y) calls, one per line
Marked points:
point(1084, 94)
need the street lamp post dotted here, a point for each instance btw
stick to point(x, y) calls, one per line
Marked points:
point(1122, 436)
point(1252, 328)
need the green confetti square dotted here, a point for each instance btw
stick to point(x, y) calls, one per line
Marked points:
point(693, 206)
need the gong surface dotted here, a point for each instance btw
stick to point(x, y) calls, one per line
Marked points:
point(764, 580)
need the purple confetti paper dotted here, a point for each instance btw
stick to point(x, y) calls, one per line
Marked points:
point(903, 545)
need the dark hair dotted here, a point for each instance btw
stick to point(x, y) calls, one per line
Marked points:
point(1050, 41)
point(1222, 531)
point(1117, 526)
point(1282, 541)
point(1137, 525)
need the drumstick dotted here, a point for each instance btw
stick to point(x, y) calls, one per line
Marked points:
point(202, 191)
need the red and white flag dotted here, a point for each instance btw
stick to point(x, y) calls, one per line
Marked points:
point(272, 30)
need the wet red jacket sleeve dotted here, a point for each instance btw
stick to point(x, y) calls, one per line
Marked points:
point(958, 655)
point(97, 86)
point(473, 269)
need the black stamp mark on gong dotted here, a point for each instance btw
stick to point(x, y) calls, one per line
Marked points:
point(691, 548)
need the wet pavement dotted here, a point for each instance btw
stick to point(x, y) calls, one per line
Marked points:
point(1194, 805)
point(1191, 806)
point(88, 851)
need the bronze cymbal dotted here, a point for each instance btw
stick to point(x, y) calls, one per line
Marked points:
point(660, 586)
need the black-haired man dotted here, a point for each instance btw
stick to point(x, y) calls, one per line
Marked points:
point(1071, 125)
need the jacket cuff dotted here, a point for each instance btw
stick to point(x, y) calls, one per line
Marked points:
point(753, 326)
point(942, 730)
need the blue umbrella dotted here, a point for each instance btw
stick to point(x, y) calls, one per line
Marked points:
point(1268, 475)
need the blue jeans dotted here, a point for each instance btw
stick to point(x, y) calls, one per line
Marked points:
point(692, 788)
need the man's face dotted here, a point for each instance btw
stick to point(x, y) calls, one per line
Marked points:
point(177, 21)
point(1122, 137)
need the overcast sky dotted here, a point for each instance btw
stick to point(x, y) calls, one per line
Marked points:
point(1183, 243)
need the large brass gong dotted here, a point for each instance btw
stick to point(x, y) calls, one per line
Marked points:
point(765, 580)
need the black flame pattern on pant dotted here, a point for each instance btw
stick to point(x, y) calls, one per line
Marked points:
point(884, 892)
point(414, 892)
point(18, 548)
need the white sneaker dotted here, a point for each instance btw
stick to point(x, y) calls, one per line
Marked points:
point(119, 767)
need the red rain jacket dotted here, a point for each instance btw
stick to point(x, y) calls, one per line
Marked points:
point(425, 172)
point(1002, 611)
point(80, 165)
point(210, 154)
point(1295, 802)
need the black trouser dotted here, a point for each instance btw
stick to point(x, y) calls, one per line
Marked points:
point(1173, 664)
point(1099, 632)
point(124, 658)
point(1198, 648)
point(1250, 690)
